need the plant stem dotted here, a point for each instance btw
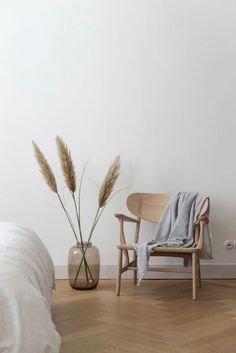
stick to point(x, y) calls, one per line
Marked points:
point(96, 219)
point(90, 234)
point(114, 193)
point(86, 268)
point(79, 198)
point(78, 219)
point(94, 182)
point(80, 233)
point(74, 232)
point(68, 216)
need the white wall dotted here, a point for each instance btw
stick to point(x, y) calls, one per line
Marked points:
point(153, 81)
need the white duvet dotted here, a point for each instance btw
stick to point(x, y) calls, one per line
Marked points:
point(26, 281)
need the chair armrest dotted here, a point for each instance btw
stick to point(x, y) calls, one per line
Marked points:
point(202, 219)
point(201, 222)
point(125, 247)
point(122, 246)
point(125, 218)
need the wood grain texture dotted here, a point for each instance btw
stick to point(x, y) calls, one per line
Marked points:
point(147, 206)
point(157, 317)
point(150, 207)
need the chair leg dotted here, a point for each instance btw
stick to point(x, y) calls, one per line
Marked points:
point(199, 273)
point(118, 282)
point(194, 275)
point(135, 271)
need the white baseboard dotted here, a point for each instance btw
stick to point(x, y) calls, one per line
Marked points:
point(208, 271)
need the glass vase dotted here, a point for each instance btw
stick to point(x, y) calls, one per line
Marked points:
point(83, 266)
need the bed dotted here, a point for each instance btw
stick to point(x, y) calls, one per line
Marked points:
point(26, 282)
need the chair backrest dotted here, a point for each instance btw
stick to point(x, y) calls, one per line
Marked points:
point(151, 207)
point(148, 206)
point(205, 210)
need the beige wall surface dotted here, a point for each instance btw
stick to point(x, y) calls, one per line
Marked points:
point(153, 81)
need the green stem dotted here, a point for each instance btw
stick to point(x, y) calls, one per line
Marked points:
point(81, 237)
point(94, 223)
point(79, 199)
point(96, 219)
point(98, 215)
point(90, 234)
point(94, 182)
point(116, 192)
point(86, 269)
point(78, 218)
point(68, 216)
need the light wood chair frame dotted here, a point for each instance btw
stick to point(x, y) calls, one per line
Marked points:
point(150, 207)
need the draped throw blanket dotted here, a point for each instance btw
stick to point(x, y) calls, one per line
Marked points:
point(176, 229)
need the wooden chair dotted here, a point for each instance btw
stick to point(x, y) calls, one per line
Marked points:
point(150, 207)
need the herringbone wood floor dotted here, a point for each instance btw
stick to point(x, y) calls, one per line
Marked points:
point(158, 317)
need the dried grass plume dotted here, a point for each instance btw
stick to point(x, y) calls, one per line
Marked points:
point(67, 165)
point(45, 168)
point(109, 181)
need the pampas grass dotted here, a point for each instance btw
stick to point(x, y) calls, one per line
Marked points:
point(109, 182)
point(45, 168)
point(68, 171)
point(66, 163)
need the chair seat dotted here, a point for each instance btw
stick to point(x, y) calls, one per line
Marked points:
point(162, 249)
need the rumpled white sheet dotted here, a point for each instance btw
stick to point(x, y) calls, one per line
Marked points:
point(26, 281)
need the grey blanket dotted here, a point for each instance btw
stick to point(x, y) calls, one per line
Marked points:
point(176, 229)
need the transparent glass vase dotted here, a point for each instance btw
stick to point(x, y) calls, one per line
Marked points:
point(83, 266)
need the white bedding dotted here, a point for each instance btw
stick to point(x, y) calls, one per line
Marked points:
point(26, 281)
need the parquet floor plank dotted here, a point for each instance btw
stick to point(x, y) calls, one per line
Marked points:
point(157, 317)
